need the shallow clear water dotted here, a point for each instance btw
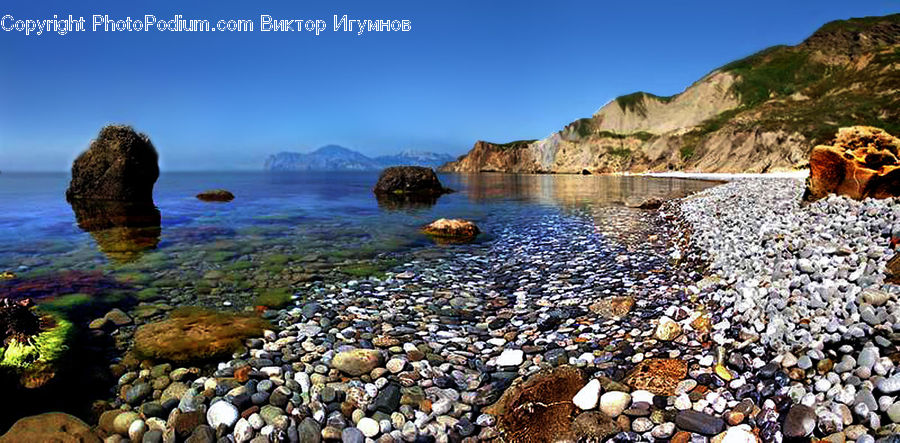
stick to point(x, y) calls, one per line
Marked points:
point(306, 211)
point(281, 231)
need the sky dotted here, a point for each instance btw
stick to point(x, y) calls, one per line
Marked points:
point(465, 71)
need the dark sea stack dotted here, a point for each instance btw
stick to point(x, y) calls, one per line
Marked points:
point(862, 162)
point(216, 195)
point(119, 165)
point(409, 180)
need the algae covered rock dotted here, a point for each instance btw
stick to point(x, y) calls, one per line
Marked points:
point(50, 427)
point(33, 353)
point(862, 162)
point(119, 165)
point(193, 334)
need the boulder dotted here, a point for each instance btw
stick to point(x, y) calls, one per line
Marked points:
point(862, 162)
point(119, 165)
point(192, 334)
point(409, 180)
point(463, 230)
point(216, 195)
point(50, 427)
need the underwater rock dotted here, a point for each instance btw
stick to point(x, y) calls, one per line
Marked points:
point(462, 230)
point(862, 162)
point(195, 335)
point(119, 165)
point(539, 409)
point(50, 427)
point(405, 180)
point(613, 307)
point(122, 230)
point(216, 195)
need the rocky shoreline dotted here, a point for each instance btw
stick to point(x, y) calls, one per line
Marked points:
point(735, 314)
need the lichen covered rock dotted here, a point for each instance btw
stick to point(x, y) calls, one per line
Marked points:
point(862, 162)
point(195, 335)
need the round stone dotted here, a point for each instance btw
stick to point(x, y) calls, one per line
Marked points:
point(369, 427)
point(614, 402)
point(222, 413)
point(588, 396)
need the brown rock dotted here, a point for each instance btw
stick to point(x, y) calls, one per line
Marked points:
point(195, 335)
point(216, 195)
point(357, 362)
point(594, 426)
point(613, 307)
point(892, 269)
point(539, 409)
point(657, 375)
point(50, 427)
point(862, 162)
point(452, 228)
point(119, 165)
point(409, 180)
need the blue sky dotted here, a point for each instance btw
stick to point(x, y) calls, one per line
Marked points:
point(467, 70)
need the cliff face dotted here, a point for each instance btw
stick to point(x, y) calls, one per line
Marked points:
point(758, 114)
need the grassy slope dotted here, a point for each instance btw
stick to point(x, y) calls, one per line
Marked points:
point(828, 95)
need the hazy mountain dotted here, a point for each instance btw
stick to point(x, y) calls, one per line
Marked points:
point(337, 158)
point(416, 158)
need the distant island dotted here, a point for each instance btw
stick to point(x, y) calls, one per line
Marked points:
point(339, 158)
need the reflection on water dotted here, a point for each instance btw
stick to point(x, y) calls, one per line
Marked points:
point(330, 213)
point(122, 230)
point(405, 202)
point(572, 190)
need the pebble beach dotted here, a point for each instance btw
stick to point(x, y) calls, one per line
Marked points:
point(737, 314)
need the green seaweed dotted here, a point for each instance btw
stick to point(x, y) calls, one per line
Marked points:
point(275, 298)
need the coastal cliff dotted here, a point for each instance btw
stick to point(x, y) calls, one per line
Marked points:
point(762, 113)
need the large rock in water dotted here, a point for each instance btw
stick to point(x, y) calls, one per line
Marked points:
point(462, 230)
point(119, 165)
point(862, 162)
point(409, 180)
point(193, 334)
point(50, 427)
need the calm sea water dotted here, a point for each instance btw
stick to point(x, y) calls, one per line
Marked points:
point(308, 211)
point(81, 262)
